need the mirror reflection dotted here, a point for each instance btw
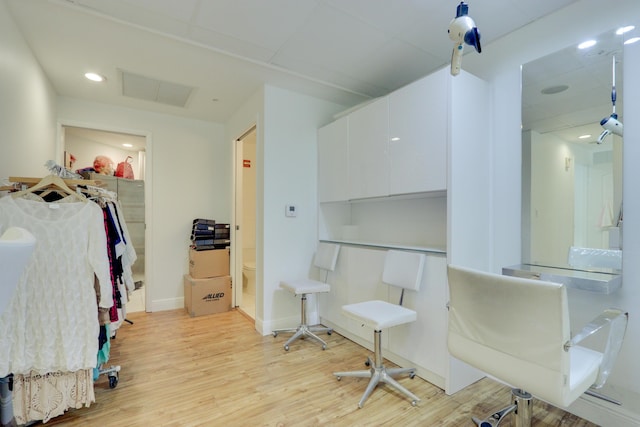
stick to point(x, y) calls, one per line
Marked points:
point(572, 171)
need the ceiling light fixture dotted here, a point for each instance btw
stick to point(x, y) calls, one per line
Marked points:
point(584, 136)
point(587, 44)
point(95, 77)
point(632, 40)
point(623, 30)
point(126, 144)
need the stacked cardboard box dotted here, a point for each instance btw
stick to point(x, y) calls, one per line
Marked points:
point(207, 287)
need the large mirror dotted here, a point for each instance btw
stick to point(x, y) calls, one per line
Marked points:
point(572, 177)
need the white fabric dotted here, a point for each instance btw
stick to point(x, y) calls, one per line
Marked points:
point(16, 247)
point(305, 286)
point(52, 322)
point(129, 256)
point(379, 314)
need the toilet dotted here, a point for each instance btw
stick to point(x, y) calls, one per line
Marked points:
point(249, 277)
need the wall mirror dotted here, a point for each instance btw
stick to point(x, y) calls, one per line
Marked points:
point(571, 184)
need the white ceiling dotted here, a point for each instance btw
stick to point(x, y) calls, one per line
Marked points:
point(346, 51)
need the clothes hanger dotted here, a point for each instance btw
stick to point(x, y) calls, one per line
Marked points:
point(54, 182)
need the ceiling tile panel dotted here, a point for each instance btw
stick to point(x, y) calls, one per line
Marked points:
point(263, 23)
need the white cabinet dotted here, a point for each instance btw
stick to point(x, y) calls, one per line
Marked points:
point(418, 136)
point(368, 151)
point(429, 191)
point(333, 172)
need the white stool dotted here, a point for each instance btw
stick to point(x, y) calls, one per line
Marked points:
point(403, 270)
point(325, 259)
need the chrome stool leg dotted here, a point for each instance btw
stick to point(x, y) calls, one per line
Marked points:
point(379, 374)
point(304, 330)
point(522, 408)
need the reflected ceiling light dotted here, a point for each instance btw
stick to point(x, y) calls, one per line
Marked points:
point(94, 77)
point(587, 44)
point(626, 29)
point(126, 144)
point(584, 136)
point(395, 138)
point(632, 40)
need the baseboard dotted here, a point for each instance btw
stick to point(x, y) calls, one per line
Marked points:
point(165, 304)
point(607, 414)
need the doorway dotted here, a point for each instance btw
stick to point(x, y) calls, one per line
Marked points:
point(81, 146)
point(245, 220)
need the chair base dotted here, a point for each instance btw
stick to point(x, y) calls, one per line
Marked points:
point(521, 406)
point(304, 330)
point(380, 374)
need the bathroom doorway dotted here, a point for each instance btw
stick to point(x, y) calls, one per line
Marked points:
point(245, 220)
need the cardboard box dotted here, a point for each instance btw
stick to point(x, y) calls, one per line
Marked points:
point(207, 296)
point(211, 263)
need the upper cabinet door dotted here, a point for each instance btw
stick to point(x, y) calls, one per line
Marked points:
point(368, 156)
point(333, 171)
point(418, 135)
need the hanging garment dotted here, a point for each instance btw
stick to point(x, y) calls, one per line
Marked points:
point(52, 322)
point(42, 397)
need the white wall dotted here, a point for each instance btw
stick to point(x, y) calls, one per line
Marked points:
point(286, 168)
point(500, 64)
point(27, 106)
point(188, 176)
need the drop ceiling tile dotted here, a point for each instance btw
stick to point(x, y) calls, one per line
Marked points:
point(394, 64)
point(262, 23)
point(232, 45)
point(332, 38)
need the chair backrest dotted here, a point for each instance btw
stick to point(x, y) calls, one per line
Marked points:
point(403, 269)
point(511, 328)
point(16, 246)
point(326, 256)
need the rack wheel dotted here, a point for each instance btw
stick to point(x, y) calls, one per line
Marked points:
point(113, 381)
point(367, 362)
point(275, 334)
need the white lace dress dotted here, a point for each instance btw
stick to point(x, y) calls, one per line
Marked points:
point(51, 324)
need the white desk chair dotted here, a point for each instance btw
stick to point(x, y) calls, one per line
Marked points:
point(16, 246)
point(325, 259)
point(518, 331)
point(403, 270)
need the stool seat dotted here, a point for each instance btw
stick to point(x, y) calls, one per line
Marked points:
point(305, 286)
point(379, 314)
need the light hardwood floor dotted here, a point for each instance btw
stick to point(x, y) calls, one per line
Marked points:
point(218, 371)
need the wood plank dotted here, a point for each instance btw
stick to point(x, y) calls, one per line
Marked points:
point(217, 370)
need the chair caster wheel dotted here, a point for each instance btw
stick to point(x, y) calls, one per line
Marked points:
point(324, 347)
point(412, 375)
point(113, 381)
point(414, 403)
point(329, 332)
point(338, 378)
point(286, 348)
point(367, 362)
point(275, 334)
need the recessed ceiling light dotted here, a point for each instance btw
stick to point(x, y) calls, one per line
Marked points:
point(584, 136)
point(94, 77)
point(395, 138)
point(626, 29)
point(554, 89)
point(126, 144)
point(587, 44)
point(632, 40)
